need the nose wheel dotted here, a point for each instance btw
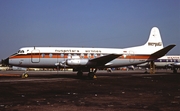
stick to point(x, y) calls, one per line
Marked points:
point(24, 75)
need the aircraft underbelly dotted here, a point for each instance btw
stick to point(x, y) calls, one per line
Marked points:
point(45, 62)
point(123, 62)
point(27, 62)
point(19, 62)
point(50, 62)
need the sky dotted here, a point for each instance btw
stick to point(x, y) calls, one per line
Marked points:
point(86, 23)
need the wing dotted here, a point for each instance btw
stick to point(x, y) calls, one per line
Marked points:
point(101, 61)
point(162, 52)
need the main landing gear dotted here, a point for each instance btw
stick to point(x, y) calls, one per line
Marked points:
point(174, 70)
point(152, 67)
point(91, 74)
point(79, 74)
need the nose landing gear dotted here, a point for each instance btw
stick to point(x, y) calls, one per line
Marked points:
point(24, 75)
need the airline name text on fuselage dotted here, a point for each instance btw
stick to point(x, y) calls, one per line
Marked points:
point(173, 57)
point(67, 51)
point(77, 51)
point(93, 51)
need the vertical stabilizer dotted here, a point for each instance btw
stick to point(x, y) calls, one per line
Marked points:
point(154, 39)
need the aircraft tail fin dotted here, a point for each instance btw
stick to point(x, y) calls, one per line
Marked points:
point(154, 39)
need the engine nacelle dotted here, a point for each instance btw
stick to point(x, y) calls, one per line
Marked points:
point(76, 62)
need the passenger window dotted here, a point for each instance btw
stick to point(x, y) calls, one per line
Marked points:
point(42, 55)
point(62, 55)
point(50, 55)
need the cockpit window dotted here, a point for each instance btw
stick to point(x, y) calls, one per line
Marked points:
point(14, 54)
point(21, 51)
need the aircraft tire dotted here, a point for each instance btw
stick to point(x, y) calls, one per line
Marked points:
point(25, 75)
point(79, 74)
point(91, 75)
point(174, 70)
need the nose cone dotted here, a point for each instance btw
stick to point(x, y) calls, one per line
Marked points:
point(5, 62)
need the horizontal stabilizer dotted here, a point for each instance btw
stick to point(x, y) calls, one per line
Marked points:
point(162, 52)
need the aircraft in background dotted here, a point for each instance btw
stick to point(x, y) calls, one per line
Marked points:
point(167, 61)
point(90, 59)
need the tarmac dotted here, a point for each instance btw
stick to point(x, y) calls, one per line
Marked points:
point(116, 91)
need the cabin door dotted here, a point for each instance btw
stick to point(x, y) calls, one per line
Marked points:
point(35, 56)
point(131, 57)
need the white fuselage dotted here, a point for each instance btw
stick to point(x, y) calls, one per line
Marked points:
point(50, 56)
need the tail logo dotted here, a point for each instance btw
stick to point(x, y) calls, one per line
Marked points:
point(155, 44)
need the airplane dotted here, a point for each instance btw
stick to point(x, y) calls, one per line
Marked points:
point(90, 59)
point(167, 61)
